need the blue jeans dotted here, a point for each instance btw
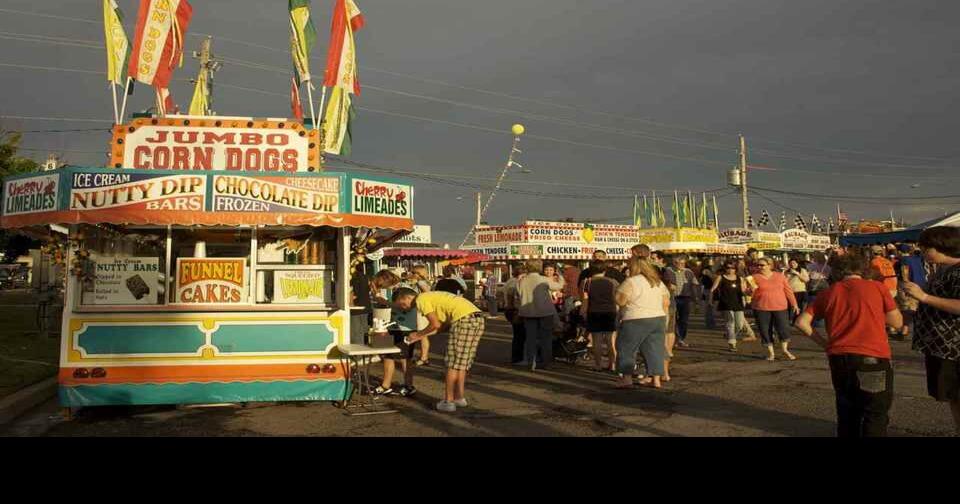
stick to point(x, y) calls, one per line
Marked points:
point(646, 335)
point(683, 316)
point(710, 317)
point(735, 322)
point(539, 336)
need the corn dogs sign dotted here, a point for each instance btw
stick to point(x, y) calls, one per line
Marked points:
point(239, 145)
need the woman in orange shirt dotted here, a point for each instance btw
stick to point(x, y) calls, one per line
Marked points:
point(772, 296)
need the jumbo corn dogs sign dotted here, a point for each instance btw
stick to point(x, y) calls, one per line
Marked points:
point(230, 144)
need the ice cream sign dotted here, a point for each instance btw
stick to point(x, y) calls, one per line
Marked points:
point(31, 195)
point(381, 198)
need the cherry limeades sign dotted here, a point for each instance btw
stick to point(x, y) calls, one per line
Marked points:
point(182, 144)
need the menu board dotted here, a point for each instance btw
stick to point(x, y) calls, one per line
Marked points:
point(124, 281)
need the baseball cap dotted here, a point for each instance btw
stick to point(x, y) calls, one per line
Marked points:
point(877, 249)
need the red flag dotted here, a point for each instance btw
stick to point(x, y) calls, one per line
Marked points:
point(158, 43)
point(295, 99)
point(341, 67)
point(165, 104)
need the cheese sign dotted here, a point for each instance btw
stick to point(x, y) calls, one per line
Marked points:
point(235, 193)
point(370, 197)
point(31, 195)
point(307, 287)
point(179, 145)
point(219, 281)
point(101, 191)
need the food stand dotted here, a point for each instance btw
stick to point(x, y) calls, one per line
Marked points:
point(688, 240)
point(554, 241)
point(209, 264)
point(784, 243)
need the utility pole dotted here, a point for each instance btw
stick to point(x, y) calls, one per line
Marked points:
point(742, 162)
point(208, 65)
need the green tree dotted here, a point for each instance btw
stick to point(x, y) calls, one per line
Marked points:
point(13, 245)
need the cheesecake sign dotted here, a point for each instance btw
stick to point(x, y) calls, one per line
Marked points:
point(370, 197)
point(31, 195)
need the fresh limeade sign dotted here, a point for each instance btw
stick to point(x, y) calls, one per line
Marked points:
point(294, 287)
point(31, 195)
point(370, 197)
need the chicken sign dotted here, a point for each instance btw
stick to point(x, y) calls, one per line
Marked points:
point(229, 144)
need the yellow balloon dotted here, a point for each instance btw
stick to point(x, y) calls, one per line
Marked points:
point(518, 129)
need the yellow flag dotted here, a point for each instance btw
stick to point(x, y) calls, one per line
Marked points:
point(115, 39)
point(336, 125)
point(200, 103)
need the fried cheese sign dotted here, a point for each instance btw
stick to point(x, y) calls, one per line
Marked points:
point(211, 281)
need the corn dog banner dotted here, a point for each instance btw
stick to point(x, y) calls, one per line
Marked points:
point(78, 195)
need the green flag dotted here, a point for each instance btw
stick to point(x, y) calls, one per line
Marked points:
point(302, 38)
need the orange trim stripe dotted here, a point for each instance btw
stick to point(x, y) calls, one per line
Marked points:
point(193, 374)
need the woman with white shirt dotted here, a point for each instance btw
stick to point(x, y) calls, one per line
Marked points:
point(644, 302)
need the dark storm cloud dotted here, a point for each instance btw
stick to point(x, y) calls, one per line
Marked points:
point(874, 76)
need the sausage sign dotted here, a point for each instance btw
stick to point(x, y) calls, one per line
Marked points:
point(175, 144)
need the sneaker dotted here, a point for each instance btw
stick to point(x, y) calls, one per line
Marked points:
point(683, 344)
point(461, 403)
point(447, 406)
point(406, 391)
point(382, 391)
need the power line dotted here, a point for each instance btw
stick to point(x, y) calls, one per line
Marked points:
point(869, 198)
point(93, 44)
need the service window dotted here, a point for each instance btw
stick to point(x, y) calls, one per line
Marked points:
point(121, 267)
point(210, 266)
point(296, 266)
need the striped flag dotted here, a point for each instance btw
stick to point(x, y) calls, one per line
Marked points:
point(703, 212)
point(648, 213)
point(341, 76)
point(295, 103)
point(637, 219)
point(716, 214)
point(799, 223)
point(750, 223)
point(830, 226)
point(118, 47)
point(341, 68)
point(660, 216)
point(303, 35)
point(158, 44)
point(764, 219)
point(338, 123)
point(676, 210)
point(165, 104)
point(783, 221)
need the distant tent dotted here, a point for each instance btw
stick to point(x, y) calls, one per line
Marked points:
point(911, 234)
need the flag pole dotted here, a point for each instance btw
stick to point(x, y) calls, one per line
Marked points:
point(313, 117)
point(323, 98)
point(116, 113)
point(123, 107)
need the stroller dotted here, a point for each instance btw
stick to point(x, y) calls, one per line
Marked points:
point(569, 342)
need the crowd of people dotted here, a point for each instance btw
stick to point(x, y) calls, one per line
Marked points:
point(634, 315)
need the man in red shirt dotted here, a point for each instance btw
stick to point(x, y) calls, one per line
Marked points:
point(856, 312)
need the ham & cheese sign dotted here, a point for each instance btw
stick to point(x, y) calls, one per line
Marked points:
point(203, 143)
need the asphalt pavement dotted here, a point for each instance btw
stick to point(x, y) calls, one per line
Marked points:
point(713, 393)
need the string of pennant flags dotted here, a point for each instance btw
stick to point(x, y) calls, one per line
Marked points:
point(157, 51)
point(691, 211)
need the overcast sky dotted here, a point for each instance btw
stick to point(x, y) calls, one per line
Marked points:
point(847, 98)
